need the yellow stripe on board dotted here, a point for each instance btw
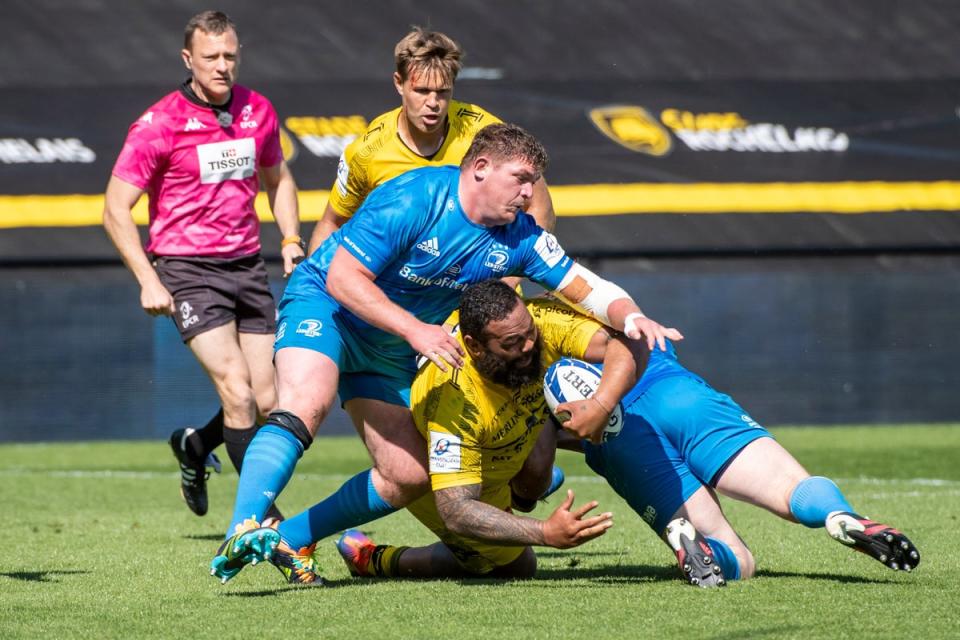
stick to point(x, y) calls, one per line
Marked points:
point(584, 200)
point(772, 197)
point(78, 210)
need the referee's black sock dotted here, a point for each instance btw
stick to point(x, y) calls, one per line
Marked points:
point(237, 441)
point(205, 439)
point(211, 434)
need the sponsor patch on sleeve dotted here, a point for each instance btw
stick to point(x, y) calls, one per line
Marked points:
point(444, 452)
point(549, 249)
point(343, 172)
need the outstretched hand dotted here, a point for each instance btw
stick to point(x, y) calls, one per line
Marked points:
point(565, 528)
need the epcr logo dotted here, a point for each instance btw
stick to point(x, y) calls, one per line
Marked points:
point(310, 328)
point(441, 447)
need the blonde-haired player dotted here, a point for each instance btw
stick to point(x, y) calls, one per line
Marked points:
point(428, 128)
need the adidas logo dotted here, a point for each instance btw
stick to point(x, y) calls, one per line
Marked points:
point(193, 124)
point(431, 246)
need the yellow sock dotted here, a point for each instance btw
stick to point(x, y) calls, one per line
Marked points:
point(385, 560)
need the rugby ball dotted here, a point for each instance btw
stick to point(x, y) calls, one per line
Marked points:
point(570, 379)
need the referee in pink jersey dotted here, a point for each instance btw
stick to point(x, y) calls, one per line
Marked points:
point(200, 155)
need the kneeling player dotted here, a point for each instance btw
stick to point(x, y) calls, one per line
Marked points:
point(480, 423)
point(681, 441)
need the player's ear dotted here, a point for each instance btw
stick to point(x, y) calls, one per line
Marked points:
point(398, 82)
point(480, 167)
point(474, 346)
point(185, 54)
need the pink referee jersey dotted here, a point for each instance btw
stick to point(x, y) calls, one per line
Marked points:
point(201, 178)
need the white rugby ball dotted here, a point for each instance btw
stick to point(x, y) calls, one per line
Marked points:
point(570, 379)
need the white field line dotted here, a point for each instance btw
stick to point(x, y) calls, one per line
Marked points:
point(120, 474)
point(150, 475)
point(888, 495)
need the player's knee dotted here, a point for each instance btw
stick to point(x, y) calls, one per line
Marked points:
point(236, 394)
point(747, 564)
point(289, 422)
point(523, 568)
point(402, 462)
point(404, 483)
point(266, 398)
point(744, 559)
point(410, 476)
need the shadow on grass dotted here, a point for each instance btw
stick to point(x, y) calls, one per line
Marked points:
point(292, 588)
point(40, 576)
point(831, 577)
point(598, 577)
point(204, 536)
point(610, 574)
point(778, 631)
point(602, 577)
point(264, 593)
point(578, 553)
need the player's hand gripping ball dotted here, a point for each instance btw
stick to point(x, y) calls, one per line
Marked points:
point(569, 379)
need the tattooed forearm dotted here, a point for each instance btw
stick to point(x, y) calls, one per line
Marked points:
point(465, 515)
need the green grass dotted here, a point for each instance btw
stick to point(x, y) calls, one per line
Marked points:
point(97, 544)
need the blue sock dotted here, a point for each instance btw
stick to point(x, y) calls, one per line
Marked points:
point(356, 502)
point(723, 555)
point(556, 481)
point(815, 498)
point(267, 467)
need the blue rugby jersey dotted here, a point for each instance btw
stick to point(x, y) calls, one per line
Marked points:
point(414, 235)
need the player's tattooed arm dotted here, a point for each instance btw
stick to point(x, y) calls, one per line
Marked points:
point(464, 514)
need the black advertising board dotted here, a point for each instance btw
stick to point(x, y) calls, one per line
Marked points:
point(636, 167)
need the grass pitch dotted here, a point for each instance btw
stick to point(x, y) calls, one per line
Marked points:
point(97, 544)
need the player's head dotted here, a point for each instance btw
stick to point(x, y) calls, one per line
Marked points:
point(211, 52)
point(427, 66)
point(498, 173)
point(500, 334)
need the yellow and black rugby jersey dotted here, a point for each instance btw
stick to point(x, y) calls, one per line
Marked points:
point(481, 432)
point(379, 154)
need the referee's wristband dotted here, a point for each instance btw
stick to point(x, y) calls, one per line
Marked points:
point(291, 240)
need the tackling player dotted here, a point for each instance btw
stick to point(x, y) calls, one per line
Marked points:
point(429, 128)
point(355, 314)
point(200, 154)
